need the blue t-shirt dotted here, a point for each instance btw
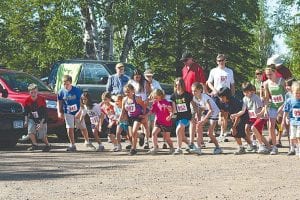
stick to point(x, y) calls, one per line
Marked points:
point(71, 100)
point(292, 106)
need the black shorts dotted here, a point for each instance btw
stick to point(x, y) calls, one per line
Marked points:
point(131, 120)
point(112, 129)
point(164, 128)
point(241, 133)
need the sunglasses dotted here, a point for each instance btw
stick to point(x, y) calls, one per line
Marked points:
point(258, 73)
point(220, 60)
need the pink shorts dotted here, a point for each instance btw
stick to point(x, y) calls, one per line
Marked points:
point(258, 123)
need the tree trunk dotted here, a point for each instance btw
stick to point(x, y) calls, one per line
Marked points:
point(127, 45)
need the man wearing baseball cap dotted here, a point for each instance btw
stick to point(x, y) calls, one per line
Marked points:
point(192, 72)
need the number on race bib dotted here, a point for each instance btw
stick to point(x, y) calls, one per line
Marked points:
point(72, 108)
point(252, 114)
point(296, 112)
point(277, 98)
point(35, 114)
point(94, 119)
point(130, 108)
point(181, 107)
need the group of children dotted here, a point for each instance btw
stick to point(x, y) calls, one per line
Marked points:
point(278, 104)
point(129, 113)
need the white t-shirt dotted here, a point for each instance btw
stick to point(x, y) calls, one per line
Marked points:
point(136, 86)
point(221, 77)
point(202, 103)
point(253, 104)
point(93, 113)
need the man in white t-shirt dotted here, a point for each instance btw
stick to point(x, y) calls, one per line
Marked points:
point(221, 76)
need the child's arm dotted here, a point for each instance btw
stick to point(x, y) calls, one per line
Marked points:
point(240, 113)
point(208, 114)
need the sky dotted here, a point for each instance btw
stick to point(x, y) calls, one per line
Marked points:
point(280, 46)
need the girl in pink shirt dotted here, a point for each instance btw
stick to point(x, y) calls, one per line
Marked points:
point(162, 122)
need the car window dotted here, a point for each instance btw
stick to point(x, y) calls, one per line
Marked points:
point(93, 73)
point(20, 81)
point(128, 68)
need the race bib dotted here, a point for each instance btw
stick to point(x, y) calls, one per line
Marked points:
point(94, 119)
point(252, 114)
point(181, 107)
point(35, 114)
point(296, 112)
point(277, 98)
point(130, 108)
point(72, 108)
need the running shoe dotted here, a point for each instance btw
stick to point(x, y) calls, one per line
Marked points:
point(217, 150)
point(32, 147)
point(71, 148)
point(46, 148)
point(178, 152)
point(240, 151)
point(274, 151)
point(132, 152)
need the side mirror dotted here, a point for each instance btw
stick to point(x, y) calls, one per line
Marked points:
point(4, 93)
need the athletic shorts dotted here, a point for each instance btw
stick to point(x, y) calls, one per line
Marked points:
point(41, 133)
point(184, 122)
point(241, 133)
point(71, 122)
point(294, 131)
point(258, 123)
point(163, 128)
point(123, 126)
point(273, 112)
point(131, 120)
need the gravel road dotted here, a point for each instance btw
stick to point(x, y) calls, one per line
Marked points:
point(107, 175)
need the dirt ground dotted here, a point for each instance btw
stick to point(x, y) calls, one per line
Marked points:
point(107, 175)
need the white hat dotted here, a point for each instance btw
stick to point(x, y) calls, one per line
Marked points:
point(148, 72)
point(275, 60)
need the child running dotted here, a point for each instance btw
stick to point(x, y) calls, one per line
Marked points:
point(210, 114)
point(275, 93)
point(122, 124)
point(238, 117)
point(181, 103)
point(95, 115)
point(107, 108)
point(162, 122)
point(255, 107)
point(292, 116)
point(285, 124)
point(133, 106)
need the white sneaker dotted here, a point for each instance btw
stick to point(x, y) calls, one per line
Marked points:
point(118, 148)
point(89, 145)
point(262, 149)
point(178, 152)
point(153, 151)
point(274, 151)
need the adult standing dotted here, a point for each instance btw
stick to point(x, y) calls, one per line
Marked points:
point(68, 104)
point(219, 77)
point(153, 84)
point(117, 81)
point(281, 71)
point(191, 72)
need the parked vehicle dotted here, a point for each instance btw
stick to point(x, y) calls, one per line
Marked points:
point(93, 76)
point(11, 121)
point(15, 83)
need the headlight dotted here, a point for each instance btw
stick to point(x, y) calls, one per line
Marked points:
point(51, 104)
